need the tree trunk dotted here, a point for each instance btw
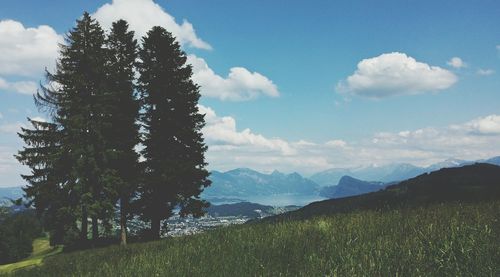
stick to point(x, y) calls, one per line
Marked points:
point(84, 230)
point(155, 228)
point(95, 229)
point(123, 222)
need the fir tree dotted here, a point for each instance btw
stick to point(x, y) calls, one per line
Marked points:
point(122, 108)
point(47, 182)
point(76, 104)
point(174, 150)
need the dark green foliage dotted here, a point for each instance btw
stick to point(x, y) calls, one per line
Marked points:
point(77, 104)
point(174, 150)
point(17, 232)
point(46, 189)
point(83, 161)
point(82, 74)
point(122, 131)
point(450, 239)
point(68, 156)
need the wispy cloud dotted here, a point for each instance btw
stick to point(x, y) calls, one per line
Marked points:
point(485, 72)
point(456, 62)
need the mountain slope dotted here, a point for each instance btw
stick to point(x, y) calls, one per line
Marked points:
point(349, 186)
point(391, 172)
point(243, 182)
point(476, 182)
point(436, 240)
point(330, 177)
point(385, 173)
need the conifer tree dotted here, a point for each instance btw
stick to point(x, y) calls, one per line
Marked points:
point(174, 150)
point(122, 109)
point(76, 104)
point(47, 182)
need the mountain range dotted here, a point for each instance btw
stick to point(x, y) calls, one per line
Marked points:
point(470, 183)
point(389, 173)
point(243, 184)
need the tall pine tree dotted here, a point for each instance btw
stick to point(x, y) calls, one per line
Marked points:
point(122, 109)
point(76, 102)
point(47, 187)
point(174, 150)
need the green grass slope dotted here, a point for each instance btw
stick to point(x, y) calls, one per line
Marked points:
point(41, 250)
point(446, 223)
point(437, 240)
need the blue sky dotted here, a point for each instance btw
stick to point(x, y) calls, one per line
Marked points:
point(284, 84)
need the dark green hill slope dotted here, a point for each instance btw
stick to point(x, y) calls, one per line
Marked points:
point(469, 183)
point(449, 239)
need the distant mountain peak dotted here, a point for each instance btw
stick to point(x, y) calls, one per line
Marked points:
point(277, 173)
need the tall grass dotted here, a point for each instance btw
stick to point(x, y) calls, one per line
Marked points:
point(438, 240)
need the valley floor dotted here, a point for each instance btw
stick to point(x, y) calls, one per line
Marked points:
point(438, 240)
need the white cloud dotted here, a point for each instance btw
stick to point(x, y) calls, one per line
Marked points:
point(229, 148)
point(142, 15)
point(395, 74)
point(27, 51)
point(239, 85)
point(22, 87)
point(456, 62)
point(221, 131)
point(1, 115)
point(485, 72)
point(488, 125)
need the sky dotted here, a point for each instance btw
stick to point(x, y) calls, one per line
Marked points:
point(294, 85)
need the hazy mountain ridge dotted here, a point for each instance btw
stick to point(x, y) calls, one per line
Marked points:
point(10, 193)
point(349, 186)
point(390, 173)
point(470, 183)
point(243, 182)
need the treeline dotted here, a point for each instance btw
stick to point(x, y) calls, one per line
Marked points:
point(17, 232)
point(124, 135)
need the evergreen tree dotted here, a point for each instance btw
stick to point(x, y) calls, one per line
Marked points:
point(76, 104)
point(122, 129)
point(174, 150)
point(46, 184)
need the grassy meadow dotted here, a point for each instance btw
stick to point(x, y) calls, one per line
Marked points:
point(41, 250)
point(450, 239)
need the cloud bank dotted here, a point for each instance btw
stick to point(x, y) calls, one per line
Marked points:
point(231, 148)
point(27, 51)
